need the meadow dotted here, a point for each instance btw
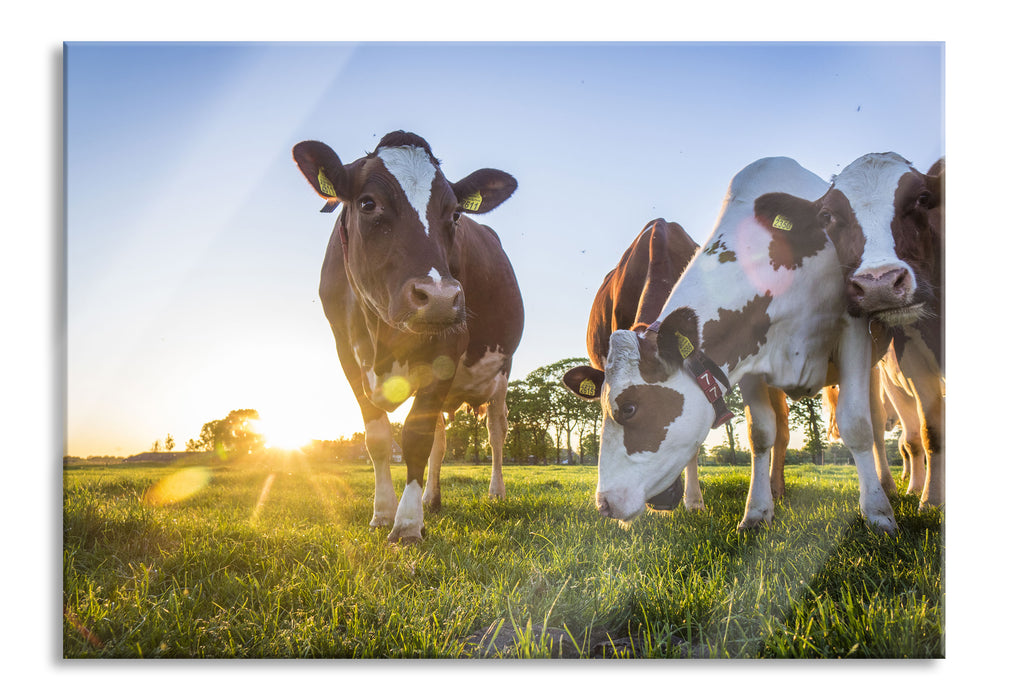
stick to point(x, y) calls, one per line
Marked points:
point(274, 558)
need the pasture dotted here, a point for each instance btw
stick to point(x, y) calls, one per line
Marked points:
point(273, 558)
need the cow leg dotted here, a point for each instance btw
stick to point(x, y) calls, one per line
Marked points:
point(378, 440)
point(692, 498)
point(432, 489)
point(877, 412)
point(926, 382)
point(779, 402)
point(497, 429)
point(418, 438)
point(760, 420)
point(911, 449)
point(855, 425)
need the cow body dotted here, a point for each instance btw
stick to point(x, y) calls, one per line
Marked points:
point(763, 305)
point(631, 297)
point(882, 197)
point(422, 302)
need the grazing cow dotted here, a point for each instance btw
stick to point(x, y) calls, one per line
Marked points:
point(763, 305)
point(882, 198)
point(631, 297)
point(422, 301)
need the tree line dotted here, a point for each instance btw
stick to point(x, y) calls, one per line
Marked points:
point(546, 424)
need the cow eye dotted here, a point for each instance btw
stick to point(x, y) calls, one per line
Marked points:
point(825, 218)
point(925, 199)
point(366, 204)
point(626, 411)
point(455, 216)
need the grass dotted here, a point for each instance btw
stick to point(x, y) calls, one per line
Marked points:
point(275, 559)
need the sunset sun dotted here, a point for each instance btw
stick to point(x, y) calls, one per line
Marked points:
point(283, 434)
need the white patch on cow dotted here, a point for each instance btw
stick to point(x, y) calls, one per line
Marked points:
point(869, 183)
point(434, 275)
point(481, 380)
point(413, 169)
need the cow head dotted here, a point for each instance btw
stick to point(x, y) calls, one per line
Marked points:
point(877, 212)
point(655, 416)
point(398, 226)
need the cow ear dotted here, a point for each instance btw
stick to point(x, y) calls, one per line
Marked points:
point(483, 190)
point(324, 172)
point(935, 181)
point(678, 336)
point(786, 215)
point(585, 382)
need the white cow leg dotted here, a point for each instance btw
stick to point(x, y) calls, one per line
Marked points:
point(760, 419)
point(409, 525)
point(856, 427)
point(378, 439)
point(432, 488)
point(497, 428)
point(878, 416)
point(692, 498)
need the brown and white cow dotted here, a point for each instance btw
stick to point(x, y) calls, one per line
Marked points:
point(763, 305)
point(893, 217)
point(631, 297)
point(422, 301)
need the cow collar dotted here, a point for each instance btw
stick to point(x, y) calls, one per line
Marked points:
point(707, 375)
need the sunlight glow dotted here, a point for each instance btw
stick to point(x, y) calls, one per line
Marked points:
point(282, 432)
point(178, 486)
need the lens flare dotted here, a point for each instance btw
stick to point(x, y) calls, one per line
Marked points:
point(177, 487)
point(396, 389)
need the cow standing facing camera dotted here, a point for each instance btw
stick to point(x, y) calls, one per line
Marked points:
point(422, 302)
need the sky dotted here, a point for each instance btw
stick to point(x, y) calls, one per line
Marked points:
point(194, 245)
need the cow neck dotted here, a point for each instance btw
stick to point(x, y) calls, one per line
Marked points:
point(707, 375)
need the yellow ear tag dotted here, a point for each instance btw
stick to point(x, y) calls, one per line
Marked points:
point(325, 185)
point(472, 203)
point(781, 223)
point(686, 347)
point(587, 388)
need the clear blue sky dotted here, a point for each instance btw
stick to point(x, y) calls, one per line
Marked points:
point(194, 244)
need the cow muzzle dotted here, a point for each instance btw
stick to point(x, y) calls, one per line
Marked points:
point(881, 290)
point(428, 306)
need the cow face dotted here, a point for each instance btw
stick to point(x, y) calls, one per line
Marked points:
point(398, 224)
point(655, 418)
point(877, 213)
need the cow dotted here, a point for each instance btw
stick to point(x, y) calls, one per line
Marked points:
point(893, 217)
point(762, 305)
point(422, 302)
point(631, 297)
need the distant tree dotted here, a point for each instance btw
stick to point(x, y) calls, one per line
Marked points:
point(806, 414)
point(169, 443)
point(156, 447)
point(734, 402)
point(230, 436)
point(465, 436)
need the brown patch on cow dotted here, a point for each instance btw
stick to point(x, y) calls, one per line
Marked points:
point(653, 369)
point(735, 335)
point(724, 254)
point(795, 232)
point(645, 412)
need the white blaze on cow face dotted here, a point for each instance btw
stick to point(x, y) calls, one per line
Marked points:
point(869, 184)
point(651, 430)
point(413, 169)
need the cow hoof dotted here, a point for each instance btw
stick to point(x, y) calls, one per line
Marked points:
point(433, 505)
point(925, 506)
point(405, 538)
point(694, 507)
point(884, 524)
point(381, 521)
point(752, 524)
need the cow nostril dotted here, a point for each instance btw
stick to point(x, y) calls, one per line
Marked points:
point(857, 291)
point(603, 506)
point(903, 282)
point(419, 297)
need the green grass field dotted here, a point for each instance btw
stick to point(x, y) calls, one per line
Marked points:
point(268, 560)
